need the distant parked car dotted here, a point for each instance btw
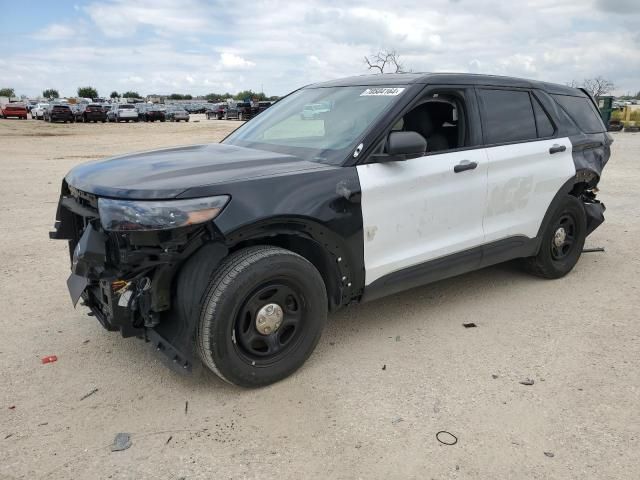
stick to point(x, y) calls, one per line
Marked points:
point(216, 111)
point(13, 109)
point(262, 106)
point(37, 112)
point(241, 111)
point(59, 113)
point(122, 112)
point(78, 111)
point(142, 109)
point(94, 112)
point(194, 108)
point(153, 113)
point(176, 114)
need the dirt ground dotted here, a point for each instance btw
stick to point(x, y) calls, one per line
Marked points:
point(385, 378)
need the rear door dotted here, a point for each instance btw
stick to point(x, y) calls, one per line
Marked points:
point(426, 208)
point(528, 162)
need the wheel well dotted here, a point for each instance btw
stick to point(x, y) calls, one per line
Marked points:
point(313, 252)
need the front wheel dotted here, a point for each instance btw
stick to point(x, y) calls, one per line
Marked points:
point(262, 316)
point(562, 241)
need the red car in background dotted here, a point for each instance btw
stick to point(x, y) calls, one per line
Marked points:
point(13, 109)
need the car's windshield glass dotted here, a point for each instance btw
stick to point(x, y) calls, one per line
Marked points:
point(125, 106)
point(317, 124)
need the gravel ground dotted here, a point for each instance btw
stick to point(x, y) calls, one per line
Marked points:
point(385, 378)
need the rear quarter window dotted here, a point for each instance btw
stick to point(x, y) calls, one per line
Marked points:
point(507, 116)
point(582, 112)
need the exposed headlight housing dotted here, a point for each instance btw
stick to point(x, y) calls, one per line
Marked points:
point(135, 215)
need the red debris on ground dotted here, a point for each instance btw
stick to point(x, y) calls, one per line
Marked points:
point(49, 359)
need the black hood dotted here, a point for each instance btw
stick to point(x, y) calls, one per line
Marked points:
point(163, 174)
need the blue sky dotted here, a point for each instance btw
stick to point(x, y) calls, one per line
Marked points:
point(199, 46)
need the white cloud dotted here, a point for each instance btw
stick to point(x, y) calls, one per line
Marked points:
point(55, 31)
point(231, 61)
point(193, 46)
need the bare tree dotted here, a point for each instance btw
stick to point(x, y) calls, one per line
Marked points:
point(597, 86)
point(385, 59)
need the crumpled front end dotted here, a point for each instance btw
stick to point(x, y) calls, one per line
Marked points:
point(128, 279)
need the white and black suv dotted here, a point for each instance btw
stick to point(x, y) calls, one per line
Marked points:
point(231, 255)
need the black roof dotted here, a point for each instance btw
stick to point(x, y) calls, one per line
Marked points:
point(447, 78)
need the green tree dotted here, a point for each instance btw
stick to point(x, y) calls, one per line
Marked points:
point(131, 95)
point(188, 97)
point(273, 98)
point(50, 93)
point(114, 94)
point(249, 95)
point(87, 92)
point(7, 92)
point(176, 96)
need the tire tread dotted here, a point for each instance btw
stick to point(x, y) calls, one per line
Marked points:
point(229, 269)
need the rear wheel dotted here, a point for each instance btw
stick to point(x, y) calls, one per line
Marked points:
point(262, 317)
point(562, 241)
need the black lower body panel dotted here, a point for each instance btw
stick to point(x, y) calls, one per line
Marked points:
point(451, 265)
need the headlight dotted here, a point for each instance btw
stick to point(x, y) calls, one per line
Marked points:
point(128, 215)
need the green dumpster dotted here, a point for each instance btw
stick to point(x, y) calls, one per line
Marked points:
point(605, 105)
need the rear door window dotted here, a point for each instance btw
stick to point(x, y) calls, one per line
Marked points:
point(543, 123)
point(582, 111)
point(507, 116)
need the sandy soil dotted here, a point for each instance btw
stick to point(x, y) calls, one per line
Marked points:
point(385, 378)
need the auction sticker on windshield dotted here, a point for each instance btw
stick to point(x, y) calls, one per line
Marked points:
point(386, 92)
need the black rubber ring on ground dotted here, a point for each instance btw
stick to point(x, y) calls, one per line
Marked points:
point(455, 439)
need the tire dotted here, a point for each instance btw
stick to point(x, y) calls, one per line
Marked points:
point(227, 337)
point(562, 241)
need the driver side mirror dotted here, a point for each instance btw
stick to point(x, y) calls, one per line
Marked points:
point(403, 146)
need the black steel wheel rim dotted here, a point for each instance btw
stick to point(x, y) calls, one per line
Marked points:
point(258, 348)
point(561, 250)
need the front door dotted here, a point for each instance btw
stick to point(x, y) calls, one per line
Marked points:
point(419, 210)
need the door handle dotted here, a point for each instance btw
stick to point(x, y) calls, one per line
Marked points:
point(557, 149)
point(464, 165)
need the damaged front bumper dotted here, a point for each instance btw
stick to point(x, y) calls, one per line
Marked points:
point(129, 280)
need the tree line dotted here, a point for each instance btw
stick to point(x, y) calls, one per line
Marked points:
point(90, 92)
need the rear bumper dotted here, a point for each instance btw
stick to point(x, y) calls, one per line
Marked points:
point(69, 117)
point(595, 215)
point(96, 116)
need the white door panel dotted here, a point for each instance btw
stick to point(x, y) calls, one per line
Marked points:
point(417, 210)
point(522, 180)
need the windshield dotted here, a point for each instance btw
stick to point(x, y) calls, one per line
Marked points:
point(123, 107)
point(317, 124)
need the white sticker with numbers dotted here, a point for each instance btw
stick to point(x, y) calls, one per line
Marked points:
point(382, 92)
